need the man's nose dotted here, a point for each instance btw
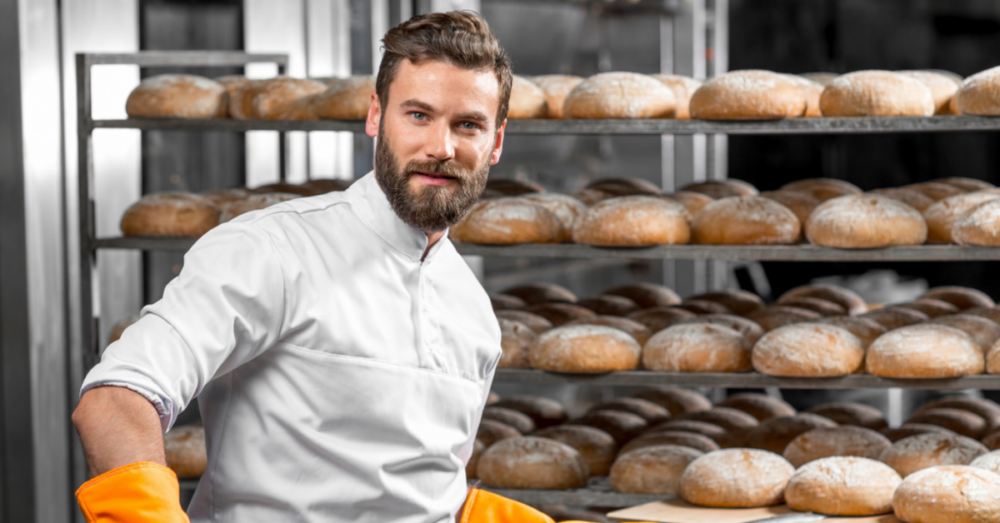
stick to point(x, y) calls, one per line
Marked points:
point(440, 143)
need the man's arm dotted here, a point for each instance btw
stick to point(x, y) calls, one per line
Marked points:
point(118, 427)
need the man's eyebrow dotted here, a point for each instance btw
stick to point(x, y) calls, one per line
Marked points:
point(474, 116)
point(417, 104)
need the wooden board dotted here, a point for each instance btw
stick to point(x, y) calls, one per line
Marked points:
point(677, 511)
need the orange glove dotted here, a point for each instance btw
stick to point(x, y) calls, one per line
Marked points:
point(483, 506)
point(137, 493)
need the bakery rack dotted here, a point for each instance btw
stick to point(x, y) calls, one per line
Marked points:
point(597, 493)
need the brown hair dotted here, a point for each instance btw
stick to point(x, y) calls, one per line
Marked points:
point(460, 38)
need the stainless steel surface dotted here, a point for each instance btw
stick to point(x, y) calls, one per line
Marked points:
point(597, 493)
point(186, 58)
point(744, 380)
point(225, 124)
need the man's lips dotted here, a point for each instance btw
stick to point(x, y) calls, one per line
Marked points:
point(435, 179)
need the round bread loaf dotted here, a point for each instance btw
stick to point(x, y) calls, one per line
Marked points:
point(759, 406)
point(979, 94)
point(622, 426)
point(346, 99)
point(597, 447)
point(745, 220)
point(986, 409)
point(544, 412)
point(734, 421)
point(844, 297)
point(532, 463)
point(659, 318)
point(177, 96)
point(958, 421)
point(635, 329)
point(555, 87)
point(634, 221)
point(567, 208)
point(170, 214)
point(625, 186)
point(812, 91)
point(924, 351)
point(653, 413)
point(326, 185)
point(915, 199)
point(683, 88)
point(775, 434)
point(953, 494)
point(119, 328)
point(748, 95)
point(697, 347)
point(941, 216)
point(748, 328)
point(857, 414)
point(620, 95)
point(935, 191)
point(800, 203)
point(967, 184)
point(274, 99)
point(513, 187)
point(672, 437)
point(515, 340)
point(719, 435)
point(983, 331)
point(584, 349)
point(722, 189)
point(992, 441)
point(822, 189)
point(652, 470)
point(560, 313)
point(254, 202)
point(535, 293)
point(775, 316)
point(676, 400)
point(232, 83)
point(865, 221)
point(931, 307)
point(817, 305)
point(989, 461)
point(470, 468)
point(736, 478)
point(876, 93)
point(704, 307)
point(895, 317)
point(821, 78)
point(282, 188)
point(846, 440)
point(185, 450)
point(510, 417)
point(527, 100)
point(501, 302)
point(808, 350)
point(647, 295)
point(590, 196)
point(693, 201)
point(942, 88)
point(843, 486)
point(535, 322)
point(961, 297)
point(609, 305)
point(738, 302)
point(911, 429)
point(979, 225)
point(865, 329)
point(223, 196)
point(504, 221)
point(491, 431)
point(984, 312)
point(931, 449)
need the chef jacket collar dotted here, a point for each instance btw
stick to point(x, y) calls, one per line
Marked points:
point(373, 207)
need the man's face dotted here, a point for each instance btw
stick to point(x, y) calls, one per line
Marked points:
point(437, 139)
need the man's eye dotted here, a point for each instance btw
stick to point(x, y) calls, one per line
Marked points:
point(419, 116)
point(468, 125)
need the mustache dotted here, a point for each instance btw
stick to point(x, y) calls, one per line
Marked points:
point(448, 169)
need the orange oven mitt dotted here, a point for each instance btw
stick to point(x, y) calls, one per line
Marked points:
point(483, 506)
point(137, 493)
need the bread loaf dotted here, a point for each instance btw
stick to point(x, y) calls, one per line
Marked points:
point(745, 220)
point(719, 435)
point(470, 468)
point(966, 184)
point(670, 437)
point(560, 313)
point(992, 441)
point(516, 338)
point(653, 413)
point(273, 99)
point(659, 318)
point(609, 305)
point(736, 478)
point(170, 214)
point(775, 434)
point(876, 93)
point(722, 189)
point(185, 450)
point(532, 463)
point(491, 431)
point(775, 316)
point(942, 88)
point(866, 330)
point(620, 95)
point(652, 470)
point(514, 187)
point(953, 494)
point(931, 307)
point(748, 328)
point(982, 331)
point(633, 221)
point(817, 305)
point(326, 185)
point(984, 408)
point(535, 322)
point(221, 197)
point(732, 420)
point(961, 297)
point(510, 417)
point(895, 317)
point(638, 331)
point(979, 94)
point(539, 292)
point(698, 347)
point(924, 351)
point(504, 221)
point(231, 83)
point(693, 201)
point(501, 302)
point(989, 461)
point(683, 88)
point(800, 203)
point(821, 78)
point(984, 312)
point(931, 449)
point(738, 302)
point(254, 202)
point(704, 307)
point(934, 190)
point(527, 100)
point(676, 400)
point(808, 350)
point(979, 225)
point(759, 406)
point(567, 208)
point(856, 414)
point(865, 221)
point(346, 99)
point(622, 426)
point(941, 216)
point(911, 197)
point(822, 189)
point(846, 440)
point(177, 96)
point(748, 95)
point(841, 296)
point(625, 186)
point(647, 295)
point(812, 91)
point(555, 87)
point(283, 187)
point(958, 421)
point(119, 328)
point(544, 412)
point(843, 486)
point(597, 447)
point(585, 349)
point(911, 429)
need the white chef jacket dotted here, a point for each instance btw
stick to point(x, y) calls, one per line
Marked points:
point(340, 378)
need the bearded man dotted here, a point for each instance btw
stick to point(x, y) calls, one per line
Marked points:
point(340, 349)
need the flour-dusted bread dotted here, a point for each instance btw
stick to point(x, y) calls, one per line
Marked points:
point(745, 220)
point(911, 197)
point(541, 292)
point(800, 203)
point(659, 318)
point(980, 94)
point(842, 296)
point(817, 305)
point(750, 329)
point(653, 413)
point(513, 187)
point(647, 295)
point(185, 450)
point(170, 214)
point(865, 221)
point(984, 312)
point(609, 304)
point(535, 322)
point(931, 449)
point(625, 186)
point(567, 208)
point(936, 190)
point(895, 317)
point(527, 100)
point(697, 347)
point(992, 441)
point(223, 196)
point(989, 461)
point(723, 188)
point(961, 297)
point(857, 414)
point(924, 351)
point(491, 431)
point(760, 406)
point(677, 400)
point(942, 88)
point(620, 95)
point(254, 202)
point(876, 93)
point(821, 78)
point(866, 330)
point(273, 99)
point(177, 96)
point(560, 313)
point(775, 434)
point(734, 421)
point(555, 87)
point(694, 201)
point(983, 331)
point(638, 331)
point(845, 440)
point(722, 437)
point(597, 447)
point(931, 307)
point(808, 350)
point(622, 426)
point(979, 225)
point(941, 216)
point(748, 95)
point(516, 338)
point(704, 307)
point(510, 417)
point(987, 409)
point(346, 99)
point(775, 316)
point(544, 412)
point(843, 486)
point(949, 494)
point(822, 189)
point(683, 88)
point(501, 302)
point(652, 470)
point(736, 478)
point(512, 220)
point(737, 301)
point(532, 463)
point(958, 421)
point(585, 349)
point(325, 185)
point(966, 184)
point(911, 429)
point(812, 91)
point(671, 437)
point(634, 221)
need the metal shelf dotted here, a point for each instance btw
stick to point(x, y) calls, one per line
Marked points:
point(597, 493)
point(745, 380)
point(573, 127)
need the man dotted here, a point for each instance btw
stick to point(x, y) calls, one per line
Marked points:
point(340, 349)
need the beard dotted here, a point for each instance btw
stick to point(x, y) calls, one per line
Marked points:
point(431, 208)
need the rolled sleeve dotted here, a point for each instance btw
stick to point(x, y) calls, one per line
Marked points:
point(225, 308)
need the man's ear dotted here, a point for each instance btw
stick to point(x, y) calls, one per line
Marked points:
point(374, 117)
point(498, 144)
